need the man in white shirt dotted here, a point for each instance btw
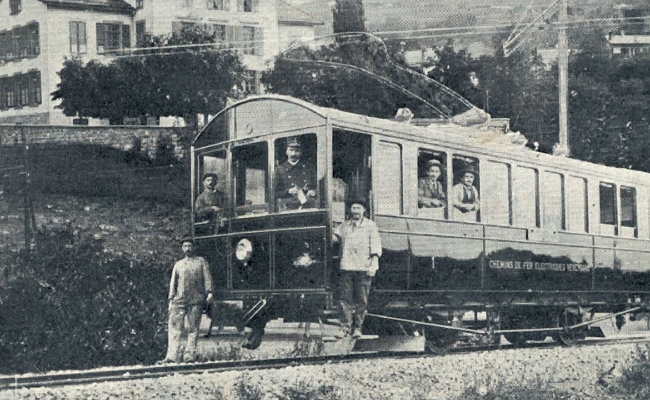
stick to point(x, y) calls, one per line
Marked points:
point(360, 252)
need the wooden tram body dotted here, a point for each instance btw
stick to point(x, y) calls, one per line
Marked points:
point(556, 239)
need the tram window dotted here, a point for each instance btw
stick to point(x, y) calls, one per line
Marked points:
point(553, 190)
point(608, 212)
point(250, 165)
point(389, 168)
point(577, 204)
point(465, 194)
point(210, 184)
point(432, 184)
point(296, 186)
point(350, 170)
point(628, 211)
point(526, 197)
point(497, 193)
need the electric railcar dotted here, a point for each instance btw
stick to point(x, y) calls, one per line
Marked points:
point(555, 239)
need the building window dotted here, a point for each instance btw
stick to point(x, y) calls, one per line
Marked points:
point(20, 90)
point(21, 42)
point(139, 4)
point(15, 6)
point(10, 92)
point(140, 32)
point(246, 6)
point(223, 5)
point(35, 88)
point(113, 36)
point(249, 39)
point(78, 37)
point(3, 93)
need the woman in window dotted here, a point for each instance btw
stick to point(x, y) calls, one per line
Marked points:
point(431, 193)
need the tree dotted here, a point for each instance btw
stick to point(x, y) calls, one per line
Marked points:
point(156, 82)
point(348, 16)
point(359, 75)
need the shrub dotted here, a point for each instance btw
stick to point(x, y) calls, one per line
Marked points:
point(77, 306)
point(634, 379)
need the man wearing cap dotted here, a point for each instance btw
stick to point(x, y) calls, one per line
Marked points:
point(189, 289)
point(295, 180)
point(360, 252)
point(465, 196)
point(209, 203)
point(430, 191)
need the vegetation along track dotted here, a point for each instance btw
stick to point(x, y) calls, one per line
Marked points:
point(155, 371)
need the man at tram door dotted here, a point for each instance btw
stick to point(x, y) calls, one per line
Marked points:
point(431, 194)
point(189, 290)
point(295, 179)
point(209, 203)
point(360, 252)
point(465, 195)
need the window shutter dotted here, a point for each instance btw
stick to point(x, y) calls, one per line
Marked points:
point(240, 5)
point(126, 36)
point(256, 5)
point(230, 34)
point(258, 36)
point(101, 38)
point(226, 5)
point(82, 37)
point(73, 37)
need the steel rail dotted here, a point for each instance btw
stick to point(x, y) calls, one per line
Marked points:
point(19, 382)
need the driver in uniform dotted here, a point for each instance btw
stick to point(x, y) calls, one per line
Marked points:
point(295, 180)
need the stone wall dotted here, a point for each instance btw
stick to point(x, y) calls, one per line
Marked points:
point(125, 138)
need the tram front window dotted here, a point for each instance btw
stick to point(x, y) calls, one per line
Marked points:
point(250, 164)
point(209, 191)
point(296, 186)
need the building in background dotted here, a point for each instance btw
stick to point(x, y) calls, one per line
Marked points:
point(633, 36)
point(36, 37)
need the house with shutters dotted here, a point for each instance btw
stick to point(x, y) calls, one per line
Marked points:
point(36, 36)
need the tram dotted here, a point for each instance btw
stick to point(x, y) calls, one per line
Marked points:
point(553, 241)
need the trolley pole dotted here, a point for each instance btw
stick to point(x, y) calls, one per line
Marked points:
point(563, 80)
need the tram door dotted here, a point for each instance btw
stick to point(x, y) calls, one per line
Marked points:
point(351, 171)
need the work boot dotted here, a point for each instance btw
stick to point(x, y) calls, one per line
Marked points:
point(254, 339)
point(341, 333)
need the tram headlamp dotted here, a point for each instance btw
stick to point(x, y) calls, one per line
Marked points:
point(244, 250)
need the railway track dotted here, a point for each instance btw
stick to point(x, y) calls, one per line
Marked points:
point(155, 371)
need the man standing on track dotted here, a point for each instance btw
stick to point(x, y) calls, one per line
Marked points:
point(189, 289)
point(360, 252)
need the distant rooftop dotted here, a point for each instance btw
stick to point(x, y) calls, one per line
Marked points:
point(629, 39)
point(289, 14)
point(117, 6)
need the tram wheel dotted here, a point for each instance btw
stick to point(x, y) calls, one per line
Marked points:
point(569, 337)
point(437, 338)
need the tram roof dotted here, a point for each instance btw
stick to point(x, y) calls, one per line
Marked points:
point(476, 138)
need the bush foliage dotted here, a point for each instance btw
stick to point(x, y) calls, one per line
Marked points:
point(77, 306)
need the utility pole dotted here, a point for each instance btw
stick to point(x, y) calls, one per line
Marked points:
point(563, 79)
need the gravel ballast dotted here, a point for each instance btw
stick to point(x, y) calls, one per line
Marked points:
point(578, 372)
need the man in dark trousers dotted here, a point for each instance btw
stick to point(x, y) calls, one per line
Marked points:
point(295, 180)
point(360, 252)
point(190, 288)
